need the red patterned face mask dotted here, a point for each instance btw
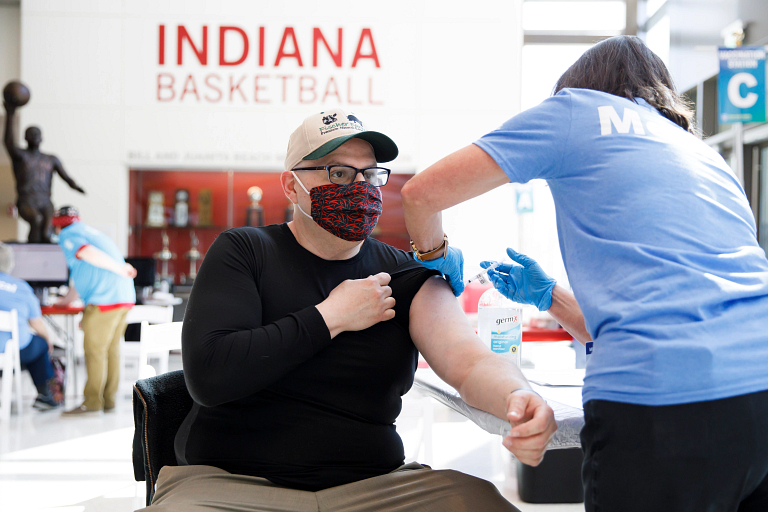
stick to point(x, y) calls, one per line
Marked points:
point(349, 212)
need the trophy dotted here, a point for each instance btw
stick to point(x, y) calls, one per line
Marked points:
point(156, 209)
point(164, 256)
point(181, 209)
point(255, 213)
point(204, 208)
point(193, 255)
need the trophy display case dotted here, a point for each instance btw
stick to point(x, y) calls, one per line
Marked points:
point(177, 214)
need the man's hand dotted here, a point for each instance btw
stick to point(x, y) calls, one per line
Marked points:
point(128, 271)
point(533, 425)
point(78, 188)
point(357, 304)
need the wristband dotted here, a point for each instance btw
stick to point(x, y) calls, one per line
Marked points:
point(423, 256)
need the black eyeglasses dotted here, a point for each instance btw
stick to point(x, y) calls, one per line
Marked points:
point(346, 174)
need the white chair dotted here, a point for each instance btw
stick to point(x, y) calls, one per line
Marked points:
point(158, 339)
point(130, 350)
point(10, 362)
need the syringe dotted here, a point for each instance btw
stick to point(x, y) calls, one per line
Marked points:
point(482, 277)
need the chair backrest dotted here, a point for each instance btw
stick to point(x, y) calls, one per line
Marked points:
point(10, 363)
point(159, 338)
point(9, 322)
point(151, 314)
point(160, 405)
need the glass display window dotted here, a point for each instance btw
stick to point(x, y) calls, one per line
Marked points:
point(172, 213)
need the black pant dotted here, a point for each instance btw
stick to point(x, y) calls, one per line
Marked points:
point(698, 457)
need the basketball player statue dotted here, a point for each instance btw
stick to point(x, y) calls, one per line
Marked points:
point(32, 169)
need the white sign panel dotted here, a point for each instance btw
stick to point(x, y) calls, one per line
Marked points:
point(252, 83)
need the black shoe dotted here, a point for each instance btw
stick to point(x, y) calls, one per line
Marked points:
point(45, 403)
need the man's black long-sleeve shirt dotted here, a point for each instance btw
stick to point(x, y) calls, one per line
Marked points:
point(275, 397)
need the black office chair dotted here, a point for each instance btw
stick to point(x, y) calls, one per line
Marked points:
point(160, 405)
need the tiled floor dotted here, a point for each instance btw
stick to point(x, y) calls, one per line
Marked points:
point(49, 463)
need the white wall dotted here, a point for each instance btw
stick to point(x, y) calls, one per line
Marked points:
point(694, 35)
point(449, 72)
point(10, 17)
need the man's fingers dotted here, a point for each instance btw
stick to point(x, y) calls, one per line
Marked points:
point(389, 312)
point(517, 404)
point(529, 451)
point(383, 278)
point(537, 443)
point(387, 291)
point(540, 422)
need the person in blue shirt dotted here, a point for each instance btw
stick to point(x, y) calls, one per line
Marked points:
point(34, 349)
point(104, 281)
point(670, 287)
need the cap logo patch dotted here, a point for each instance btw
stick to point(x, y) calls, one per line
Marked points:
point(340, 125)
point(329, 119)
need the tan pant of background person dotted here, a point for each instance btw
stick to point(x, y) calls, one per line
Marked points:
point(102, 330)
point(409, 488)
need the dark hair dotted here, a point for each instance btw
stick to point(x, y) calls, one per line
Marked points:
point(624, 66)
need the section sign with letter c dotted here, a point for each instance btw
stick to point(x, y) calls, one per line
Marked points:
point(741, 84)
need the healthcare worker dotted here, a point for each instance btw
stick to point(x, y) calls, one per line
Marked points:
point(659, 243)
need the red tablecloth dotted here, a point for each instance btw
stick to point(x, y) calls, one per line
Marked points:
point(56, 310)
point(535, 334)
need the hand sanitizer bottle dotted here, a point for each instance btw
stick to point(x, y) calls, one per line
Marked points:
point(500, 324)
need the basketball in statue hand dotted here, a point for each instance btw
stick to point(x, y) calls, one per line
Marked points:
point(16, 94)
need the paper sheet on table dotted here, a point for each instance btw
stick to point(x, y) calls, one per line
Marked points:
point(569, 419)
point(555, 378)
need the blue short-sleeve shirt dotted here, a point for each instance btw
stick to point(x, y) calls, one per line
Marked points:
point(95, 285)
point(659, 243)
point(17, 294)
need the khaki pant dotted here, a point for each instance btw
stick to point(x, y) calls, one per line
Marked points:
point(410, 488)
point(101, 344)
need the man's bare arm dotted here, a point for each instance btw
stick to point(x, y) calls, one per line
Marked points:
point(99, 258)
point(69, 298)
point(485, 380)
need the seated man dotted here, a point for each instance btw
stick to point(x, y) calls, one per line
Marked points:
point(300, 339)
point(34, 348)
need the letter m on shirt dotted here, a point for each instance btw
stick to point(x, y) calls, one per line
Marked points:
point(610, 118)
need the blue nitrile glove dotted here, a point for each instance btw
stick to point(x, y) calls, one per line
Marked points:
point(452, 268)
point(527, 284)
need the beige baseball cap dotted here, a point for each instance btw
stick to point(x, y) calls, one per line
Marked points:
point(322, 133)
